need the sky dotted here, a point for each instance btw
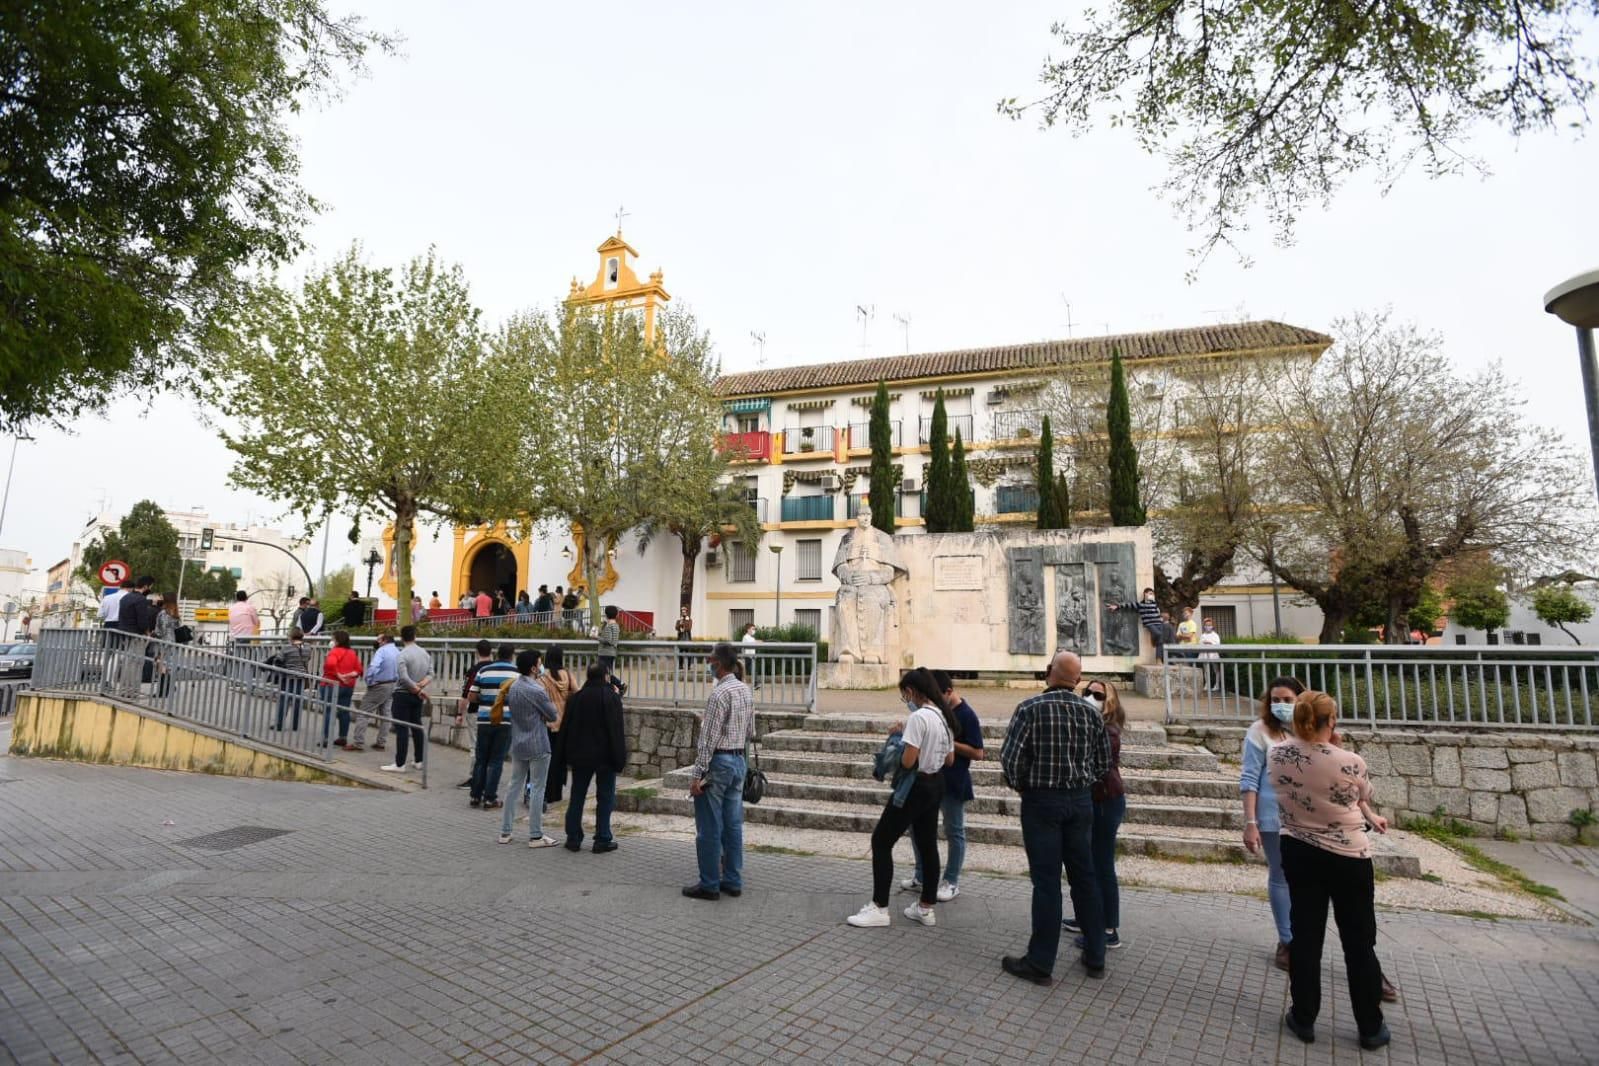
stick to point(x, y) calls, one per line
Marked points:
point(786, 164)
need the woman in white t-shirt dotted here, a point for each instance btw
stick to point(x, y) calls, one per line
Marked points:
point(1212, 667)
point(929, 747)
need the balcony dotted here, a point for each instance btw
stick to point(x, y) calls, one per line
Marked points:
point(808, 508)
point(753, 446)
point(758, 505)
point(1015, 499)
point(856, 502)
point(1018, 425)
point(860, 434)
point(960, 422)
point(808, 440)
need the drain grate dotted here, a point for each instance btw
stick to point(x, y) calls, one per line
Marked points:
point(237, 837)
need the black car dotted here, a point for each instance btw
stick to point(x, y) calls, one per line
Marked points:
point(17, 661)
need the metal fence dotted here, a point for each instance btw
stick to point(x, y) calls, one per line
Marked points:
point(8, 696)
point(237, 694)
point(1394, 685)
point(663, 673)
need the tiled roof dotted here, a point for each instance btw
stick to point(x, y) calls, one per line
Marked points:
point(1197, 340)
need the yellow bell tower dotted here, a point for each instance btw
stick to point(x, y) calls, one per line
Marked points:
point(616, 284)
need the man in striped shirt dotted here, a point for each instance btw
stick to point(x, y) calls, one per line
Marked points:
point(493, 741)
point(718, 781)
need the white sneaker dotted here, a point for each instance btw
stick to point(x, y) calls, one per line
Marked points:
point(542, 842)
point(415, 766)
point(947, 891)
point(505, 838)
point(915, 913)
point(910, 884)
point(869, 917)
point(393, 768)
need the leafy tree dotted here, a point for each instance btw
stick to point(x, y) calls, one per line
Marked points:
point(1429, 610)
point(1063, 500)
point(1395, 465)
point(1558, 606)
point(143, 539)
point(371, 393)
point(881, 477)
point(1049, 508)
point(940, 516)
point(1477, 601)
point(1125, 506)
point(1285, 101)
point(210, 586)
point(333, 591)
point(614, 430)
point(961, 489)
point(147, 166)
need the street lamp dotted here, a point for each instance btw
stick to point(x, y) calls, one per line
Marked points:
point(1575, 302)
point(777, 615)
point(1271, 530)
point(373, 560)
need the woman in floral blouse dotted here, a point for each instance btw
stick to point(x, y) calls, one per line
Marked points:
point(1324, 799)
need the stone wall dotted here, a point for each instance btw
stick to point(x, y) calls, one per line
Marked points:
point(1522, 783)
point(662, 739)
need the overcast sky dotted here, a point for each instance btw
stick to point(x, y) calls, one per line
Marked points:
point(783, 168)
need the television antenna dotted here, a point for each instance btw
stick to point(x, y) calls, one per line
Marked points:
point(1068, 304)
point(760, 347)
point(905, 326)
point(865, 312)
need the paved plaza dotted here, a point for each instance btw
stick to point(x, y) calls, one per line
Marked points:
point(368, 927)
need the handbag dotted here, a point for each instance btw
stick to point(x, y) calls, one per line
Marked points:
point(754, 778)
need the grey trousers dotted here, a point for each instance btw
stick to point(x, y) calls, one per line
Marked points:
point(375, 700)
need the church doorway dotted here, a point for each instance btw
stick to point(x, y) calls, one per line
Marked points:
point(494, 570)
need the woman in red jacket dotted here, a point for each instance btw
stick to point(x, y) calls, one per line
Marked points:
point(340, 670)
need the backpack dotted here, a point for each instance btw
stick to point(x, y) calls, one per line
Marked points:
point(183, 635)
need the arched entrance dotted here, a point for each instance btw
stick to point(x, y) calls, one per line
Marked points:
point(494, 570)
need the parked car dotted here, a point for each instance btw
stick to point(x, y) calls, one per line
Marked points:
point(17, 660)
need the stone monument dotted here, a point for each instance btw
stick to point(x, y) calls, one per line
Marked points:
point(866, 619)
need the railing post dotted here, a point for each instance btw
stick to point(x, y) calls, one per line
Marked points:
point(1371, 691)
point(1165, 673)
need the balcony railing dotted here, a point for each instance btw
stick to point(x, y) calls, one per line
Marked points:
point(855, 503)
point(808, 508)
point(960, 422)
point(1015, 499)
point(1015, 425)
point(860, 434)
point(753, 445)
point(758, 505)
point(802, 440)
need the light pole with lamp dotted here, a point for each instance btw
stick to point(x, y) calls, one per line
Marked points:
point(373, 560)
point(1575, 302)
point(777, 614)
point(1271, 530)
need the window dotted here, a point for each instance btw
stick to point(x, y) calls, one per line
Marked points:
point(808, 561)
point(1535, 638)
point(749, 423)
point(1226, 619)
point(811, 619)
point(740, 562)
point(611, 270)
point(737, 620)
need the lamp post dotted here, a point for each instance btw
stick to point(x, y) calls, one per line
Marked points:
point(1272, 529)
point(373, 560)
point(777, 615)
point(1575, 302)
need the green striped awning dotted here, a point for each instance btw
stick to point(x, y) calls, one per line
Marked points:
point(749, 407)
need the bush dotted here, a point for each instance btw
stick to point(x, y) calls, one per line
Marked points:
point(1269, 638)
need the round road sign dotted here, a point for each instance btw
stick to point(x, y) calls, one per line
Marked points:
point(114, 572)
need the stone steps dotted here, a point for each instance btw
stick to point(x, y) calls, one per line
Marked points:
point(1145, 733)
point(864, 745)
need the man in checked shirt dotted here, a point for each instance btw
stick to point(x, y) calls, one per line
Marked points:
point(718, 782)
point(1056, 748)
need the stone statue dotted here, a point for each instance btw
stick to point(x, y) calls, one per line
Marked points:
point(866, 564)
point(1114, 624)
point(1071, 627)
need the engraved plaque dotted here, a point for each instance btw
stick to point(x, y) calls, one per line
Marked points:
point(955, 573)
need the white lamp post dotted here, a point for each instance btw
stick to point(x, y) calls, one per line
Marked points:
point(1576, 303)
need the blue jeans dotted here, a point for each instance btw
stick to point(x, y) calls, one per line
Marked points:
point(1057, 827)
point(341, 702)
point(604, 804)
point(1102, 843)
point(292, 693)
point(955, 832)
point(525, 772)
point(1277, 886)
point(493, 743)
point(719, 825)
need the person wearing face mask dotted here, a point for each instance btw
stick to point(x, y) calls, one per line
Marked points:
point(1110, 807)
point(1261, 823)
point(1209, 636)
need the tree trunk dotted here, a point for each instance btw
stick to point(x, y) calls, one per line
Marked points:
point(404, 519)
point(1332, 625)
point(690, 543)
point(590, 572)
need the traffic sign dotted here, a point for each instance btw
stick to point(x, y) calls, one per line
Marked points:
point(114, 572)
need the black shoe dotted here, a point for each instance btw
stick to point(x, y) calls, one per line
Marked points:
point(734, 892)
point(1018, 966)
point(1070, 925)
point(700, 892)
point(601, 849)
point(1306, 1033)
point(1091, 970)
point(573, 845)
point(475, 803)
point(465, 784)
point(1376, 1040)
point(492, 805)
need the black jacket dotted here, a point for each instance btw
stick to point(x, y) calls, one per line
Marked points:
point(592, 729)
point(135, 613)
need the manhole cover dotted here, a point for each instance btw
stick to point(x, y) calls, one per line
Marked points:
point(237, 837)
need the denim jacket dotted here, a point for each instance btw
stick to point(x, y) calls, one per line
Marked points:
point(891, 759)
point(1256, 778)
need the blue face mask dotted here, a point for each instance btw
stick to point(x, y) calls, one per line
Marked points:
point(913, 706)
point(1282, 710)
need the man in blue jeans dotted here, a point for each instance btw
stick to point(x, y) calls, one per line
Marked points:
point(718, 781)
point(1056, 749)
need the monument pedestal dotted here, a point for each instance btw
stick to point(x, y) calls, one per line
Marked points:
point(856, 675)
point(1150, 680)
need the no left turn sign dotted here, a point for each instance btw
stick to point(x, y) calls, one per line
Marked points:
point(113, 572)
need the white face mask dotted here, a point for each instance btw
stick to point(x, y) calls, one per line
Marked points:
point(1096, 697)
point(1282, 710)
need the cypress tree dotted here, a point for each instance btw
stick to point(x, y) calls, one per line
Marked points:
point(1049, 516)
point(940, 516)
point(881, 493)
point(1125, 510)
point(1063, 501)
point(961, 488)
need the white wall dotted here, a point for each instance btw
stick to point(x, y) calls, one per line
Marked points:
point(1525, 623)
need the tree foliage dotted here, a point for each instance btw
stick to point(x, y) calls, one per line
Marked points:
point(1126, 509)
point(1050, 512)
point(881, 477)
point(1283, 101)
point(1477, 601)
point(940, 516)
point(146, 166)
point(143, 539)
point(961, 489)
point(1560, 606)
point(369, 392)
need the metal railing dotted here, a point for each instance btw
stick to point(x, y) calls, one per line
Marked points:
point(860, 434)
point(663, 673)
point(8, 696)
point(1393, 685)
point(809, 508)
point(235, 693)
point(1015, 499)
point(924, 430)
point(1018, 425)
point(805, 440)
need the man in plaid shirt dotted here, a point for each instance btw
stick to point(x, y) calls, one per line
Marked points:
point(1056, 749)
point(718, 781)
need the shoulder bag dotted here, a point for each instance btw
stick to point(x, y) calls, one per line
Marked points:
point(754, 778)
